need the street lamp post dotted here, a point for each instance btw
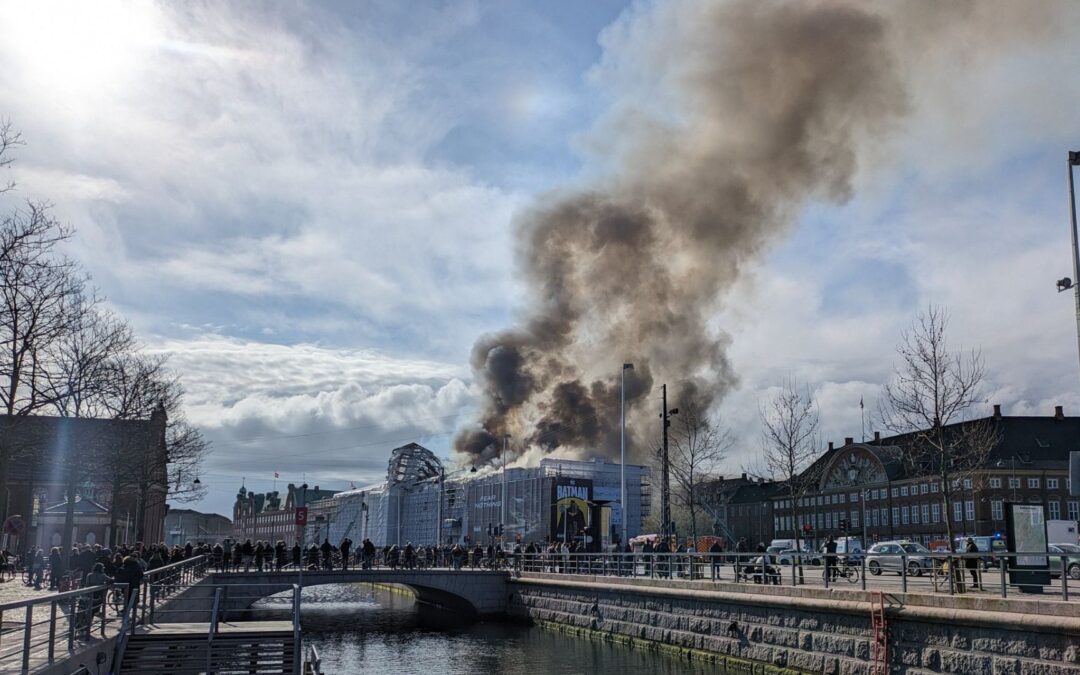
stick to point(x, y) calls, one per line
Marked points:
point(1074, 283)
point(622, 454)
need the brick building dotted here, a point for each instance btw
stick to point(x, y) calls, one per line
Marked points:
point(868, 486)
point(264, 516)
point(119, 491)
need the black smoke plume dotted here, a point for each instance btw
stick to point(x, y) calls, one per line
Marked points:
point(760, 108)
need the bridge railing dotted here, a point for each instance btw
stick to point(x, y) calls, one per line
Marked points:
point(41, 631)
point(997, 573)
point(160, 584)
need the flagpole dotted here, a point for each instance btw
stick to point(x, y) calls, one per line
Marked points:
point(862, 416)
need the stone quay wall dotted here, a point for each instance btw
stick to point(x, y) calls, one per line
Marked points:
point(804, 630)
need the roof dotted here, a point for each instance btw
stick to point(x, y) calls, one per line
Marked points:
point(756, 492)
point(81, 506)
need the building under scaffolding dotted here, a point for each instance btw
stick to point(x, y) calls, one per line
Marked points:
point(420, 502)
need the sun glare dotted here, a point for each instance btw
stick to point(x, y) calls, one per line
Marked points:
point(81, 48)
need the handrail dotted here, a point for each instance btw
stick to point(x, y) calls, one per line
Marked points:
point(297, 645)
point(213, 630)
point(127, 626)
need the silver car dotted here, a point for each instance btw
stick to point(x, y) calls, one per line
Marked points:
point(1072, 561)
point(892, 555)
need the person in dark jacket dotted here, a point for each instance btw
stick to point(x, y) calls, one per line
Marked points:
point(130, 573)
point(972, 563)
point(296, 555)
point(716, 551)
point(346, 546)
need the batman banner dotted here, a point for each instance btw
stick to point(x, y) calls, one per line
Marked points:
point(570, 502)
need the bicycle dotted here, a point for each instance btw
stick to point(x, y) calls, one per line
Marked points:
point(848, 572)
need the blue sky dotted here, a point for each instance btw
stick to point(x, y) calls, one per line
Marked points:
point(309, 206)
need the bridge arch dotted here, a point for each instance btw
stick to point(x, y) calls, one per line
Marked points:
point(473, 593)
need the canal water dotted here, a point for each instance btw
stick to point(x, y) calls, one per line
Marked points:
point(358, 629)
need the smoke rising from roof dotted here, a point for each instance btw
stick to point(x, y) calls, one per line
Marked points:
point(759, 110)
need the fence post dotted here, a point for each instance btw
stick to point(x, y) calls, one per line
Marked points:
point(862, 565)
point(297, 644)
point(52, 630)
point(1004, 586)
point(1064, 577)
point(903, 571)
point(71, 625)
point(27, 627)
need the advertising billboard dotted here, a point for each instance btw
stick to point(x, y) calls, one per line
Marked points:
point(571, 499)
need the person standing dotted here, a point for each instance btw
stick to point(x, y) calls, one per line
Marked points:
point(715, 551)
point(830, 559)
point(972, 563)
point(346, 547)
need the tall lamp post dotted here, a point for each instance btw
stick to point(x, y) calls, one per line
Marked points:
point(622, 455)
point(1074, 283)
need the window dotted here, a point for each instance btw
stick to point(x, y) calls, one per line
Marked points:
point(884, 517)
point(914, 514)
point(1051, 483)
point(853, 497)
point(1055, 509)
point(903, 491)
point(842, 498)
point(934, 487)
point(828, 521)
point(1033, 483)
point(819, 500)
point(820, 521)
point(996, 510)
point(854, 518)
point(923, 488)
point(1074, 510)
point(969, 510)
point(895, 492)
point(935, 510)
point(926, 513)
point(905, 515)
point(873, 515)
point(1014, 482)
point(958, 511)
point(967, 483)
point(995, 482)
point(896, 515)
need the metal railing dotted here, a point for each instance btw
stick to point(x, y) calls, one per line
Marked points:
point(49, 628)
point(950, 573)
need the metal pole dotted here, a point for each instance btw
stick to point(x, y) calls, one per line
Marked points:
point(665, 484)
point(502, 502)
point(438, 508)
point(622, 454)
point(1074, 159)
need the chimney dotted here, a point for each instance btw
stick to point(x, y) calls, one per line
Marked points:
point(1059, 413)
point(877, 436)
point(830, 445)
point(997, 411)
point(848, 440)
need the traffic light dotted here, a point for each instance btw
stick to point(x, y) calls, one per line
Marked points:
point(843, 523)
point(489, 530)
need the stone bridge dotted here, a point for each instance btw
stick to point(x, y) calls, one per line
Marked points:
point(472, 592)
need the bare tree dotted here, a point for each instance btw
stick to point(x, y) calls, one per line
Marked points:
point(698, 445)
point(789, 424)
point(36, 286)
point(933, 388)
point(9, 140)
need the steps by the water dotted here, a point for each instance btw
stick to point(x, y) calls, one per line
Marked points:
point(184, 649)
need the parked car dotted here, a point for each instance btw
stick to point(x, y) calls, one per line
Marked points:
point(892, 555)
point(787, 557)
point(986, 545)
point(1072, 562)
